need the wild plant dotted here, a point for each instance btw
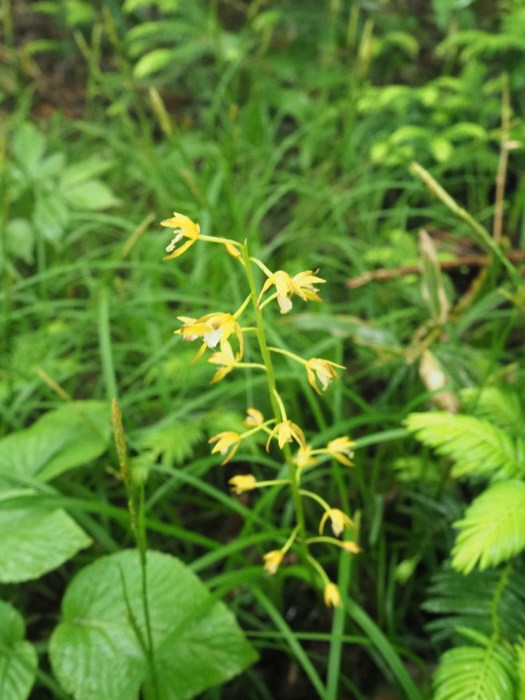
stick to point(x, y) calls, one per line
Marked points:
point(480, 596)
point(224, 334)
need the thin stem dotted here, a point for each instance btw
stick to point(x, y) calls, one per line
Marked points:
point(315, 497)
point(275, 401)
point(483, 235)
point(501, 176)
point(289, 354)
point(137, 513)
point(290, 540)
point(322, 573)
point(142, 545)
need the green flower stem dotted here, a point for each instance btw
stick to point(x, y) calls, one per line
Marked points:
point(289, 354)
point(315, 497)
point(252, 365)
point(270, 376)
point(242, 306)
point(290, 540)
point(327, 540)
point(322, 573)
point(137, 514)
point(271, 482)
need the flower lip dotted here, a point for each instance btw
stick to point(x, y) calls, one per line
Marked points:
point(332, 595)
point(272, 560)
point(227, 440)
point(340, 449)
point(242, 483)
point(286, 431)
point(184, 227)
point(339, 520)
point(322, 370)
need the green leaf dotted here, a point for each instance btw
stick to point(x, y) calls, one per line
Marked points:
point(50, 216)
point(477, 601)
point(520, 655)
point(28, 148)
point(91, 195)
point(493, 529)
point(84, 170)
point(67, 437)
point(20, 239)
point(35, 540)
point(152, 62)
point(95, 653)
point(475, 673)
point(500, 407)
point(18, 659)
point(51, 167)
point(477, 447)
point(441, 148)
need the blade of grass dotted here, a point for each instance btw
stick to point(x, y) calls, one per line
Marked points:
point(385, 649)
point(292, 641)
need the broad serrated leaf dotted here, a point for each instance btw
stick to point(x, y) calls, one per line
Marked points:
point(91, 195)
point(50, 216)
point(84, 170)
point(475, 673)
point(67, 437)
point(493, 529)
point(18, 659)
point(477, 447)
point(35, 540)
point(95, 652)
point(20, 239)
point(28, 148)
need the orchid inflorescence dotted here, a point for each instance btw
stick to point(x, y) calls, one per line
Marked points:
point(222, 333)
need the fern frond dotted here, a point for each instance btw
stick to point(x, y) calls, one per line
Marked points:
point(487, 601)
point(493, 529)
point(477, 447)
point(519, 650)
point(476, 673)
point(499, 407)
point(172, 440)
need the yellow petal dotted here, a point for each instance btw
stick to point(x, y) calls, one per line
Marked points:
point(332, 595)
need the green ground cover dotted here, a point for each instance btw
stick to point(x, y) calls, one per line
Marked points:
point(378, 145)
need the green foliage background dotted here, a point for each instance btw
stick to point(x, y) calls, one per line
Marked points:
point(292, 125)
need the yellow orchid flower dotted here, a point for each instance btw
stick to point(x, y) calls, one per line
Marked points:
point(304, 285)
point(351, 547)
point(242, 483)
point(323, 370)
point(332, 595)
point(225, 358)
point(253, 418)
point(301, 284)
point(284, 286)
point(286, 431)
point(340, 521)
point(340, 449)
point(304, 458)
point(227, 440)
point(272, 560)
point(214, 329)
point(185, 228)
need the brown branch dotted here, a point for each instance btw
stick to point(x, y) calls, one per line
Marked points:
point(387, 274)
